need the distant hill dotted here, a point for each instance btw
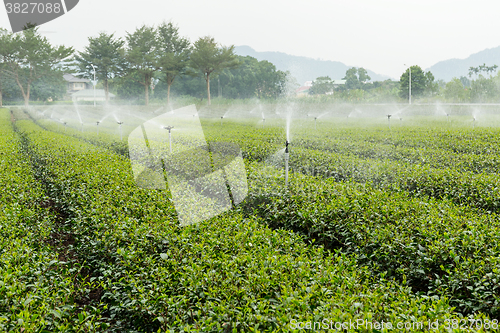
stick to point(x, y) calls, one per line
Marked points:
point(448, 69)
point(303, 68)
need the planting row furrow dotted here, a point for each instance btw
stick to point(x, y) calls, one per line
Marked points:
point(39, 280)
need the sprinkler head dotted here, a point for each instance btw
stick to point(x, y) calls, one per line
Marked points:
point(389, 116)
point(119, 122)
point(97, 123)
point(169, 128)
point(286, 147)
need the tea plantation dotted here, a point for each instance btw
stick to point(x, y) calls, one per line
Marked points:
point(377, 225)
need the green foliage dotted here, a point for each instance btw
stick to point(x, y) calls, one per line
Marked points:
point(107, 55)
point(455, 91)
point(40, 281)
point(355, 78)
point(252, 78)
point(173, 53)
point(421, 83)
point(482, 68)
point(483, 90)
point(209, 58)
point(232, 272)
point(141, 56)
point(27, 57)
point(321, 86)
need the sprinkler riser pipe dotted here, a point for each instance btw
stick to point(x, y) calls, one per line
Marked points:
point(287, 157)
point(170, 141)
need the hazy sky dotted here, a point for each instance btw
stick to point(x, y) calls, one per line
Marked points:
point(381, 35)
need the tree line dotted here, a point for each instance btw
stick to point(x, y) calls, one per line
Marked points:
point(480, 86)
point(149, 57)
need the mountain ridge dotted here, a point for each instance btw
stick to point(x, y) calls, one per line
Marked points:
point(304, 68)
point(308, 69)
point(450, 68)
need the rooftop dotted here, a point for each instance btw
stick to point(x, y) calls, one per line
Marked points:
point(72, 78)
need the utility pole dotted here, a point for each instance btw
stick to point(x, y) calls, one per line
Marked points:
point(94, 82)
point(409, 87)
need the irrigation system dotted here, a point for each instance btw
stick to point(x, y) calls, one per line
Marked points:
point(94, 82)
point(409, 86)
point(120, 123)
point(287, 157)
point(169, 128)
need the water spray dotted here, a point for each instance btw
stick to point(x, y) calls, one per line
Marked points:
point(287, 157)
point(120, 123)
point(169, 128)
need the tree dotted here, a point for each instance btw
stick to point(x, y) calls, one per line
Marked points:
point(420, 83)
point(431, 87)
point(173, 53)
point(28, 56)
point(465, 81)
point(4, 42)
point(454, 91)
point(351, 79)
point(355, 78)
point(141, 56)
point(481, 68)
point(252, 78)
point(363, 76)
point(208, 58)
point(483, 90)
point(107, 54)
point(321, 86)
